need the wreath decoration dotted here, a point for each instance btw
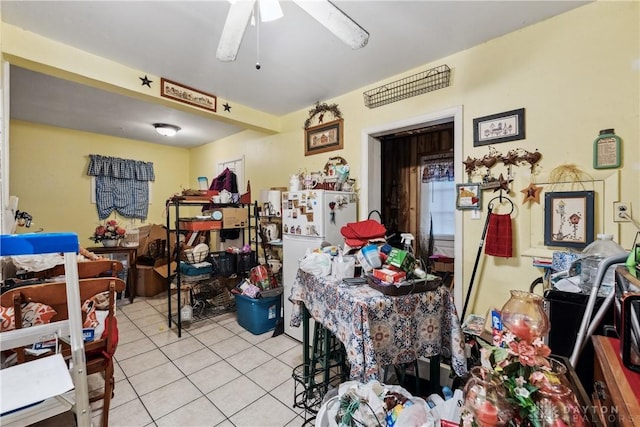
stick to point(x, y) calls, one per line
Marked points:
point(320, 110)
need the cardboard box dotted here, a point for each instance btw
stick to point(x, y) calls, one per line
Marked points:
point(444, 267)
point(163, 271)
point(235, 217)
point(152, 233)
point(150, 283)
point(401, 259)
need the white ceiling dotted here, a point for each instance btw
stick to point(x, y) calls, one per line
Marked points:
point(301, 61)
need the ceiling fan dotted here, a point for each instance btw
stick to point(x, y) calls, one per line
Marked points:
point(323, 11)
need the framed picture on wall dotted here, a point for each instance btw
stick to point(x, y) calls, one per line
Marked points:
point(323, 138)
point(468, 196)
point(569, 218)
point(497, 128)
point(188, 95)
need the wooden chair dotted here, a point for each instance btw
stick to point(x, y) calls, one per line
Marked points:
point(86, 269)
point(99, 353)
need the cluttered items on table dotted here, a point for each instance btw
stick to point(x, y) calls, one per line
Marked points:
point(390, 270)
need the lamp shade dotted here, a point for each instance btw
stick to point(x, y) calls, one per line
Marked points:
point(166, 129)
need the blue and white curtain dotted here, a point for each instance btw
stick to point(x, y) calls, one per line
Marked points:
point(121, 185)
point(437, 168)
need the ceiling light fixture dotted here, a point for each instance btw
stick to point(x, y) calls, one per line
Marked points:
point(270, 10)
point(165, 129)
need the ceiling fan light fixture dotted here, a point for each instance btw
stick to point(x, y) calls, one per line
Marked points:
point(323, 11)
point(166, 129)
point(270, 10)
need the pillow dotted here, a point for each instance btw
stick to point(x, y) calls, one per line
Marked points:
point(99, 301)
point(33, 313)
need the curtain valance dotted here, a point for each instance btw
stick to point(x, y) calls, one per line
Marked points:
point(120, 168)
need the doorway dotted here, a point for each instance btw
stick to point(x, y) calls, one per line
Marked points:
point(418, 188)
point(372, 171)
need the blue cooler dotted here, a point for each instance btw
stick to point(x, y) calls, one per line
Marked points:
point(258, 315)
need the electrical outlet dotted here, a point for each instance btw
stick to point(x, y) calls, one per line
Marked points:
point(619, 211)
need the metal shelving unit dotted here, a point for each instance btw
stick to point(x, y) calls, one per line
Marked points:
point(208, 292)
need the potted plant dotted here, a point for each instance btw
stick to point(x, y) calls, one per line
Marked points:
point(109, 234)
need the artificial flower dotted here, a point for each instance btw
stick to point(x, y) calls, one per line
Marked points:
point(524, 368)
point(109, 231)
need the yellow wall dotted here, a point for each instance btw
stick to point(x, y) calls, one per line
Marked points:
point(572, 77)
point(572, 74)
point(49, 175)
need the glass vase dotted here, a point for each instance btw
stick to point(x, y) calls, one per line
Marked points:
point(485, 398)
point(524, 316)
point(558, 406)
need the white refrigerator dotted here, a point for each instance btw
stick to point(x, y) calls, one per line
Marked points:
point(309, 218)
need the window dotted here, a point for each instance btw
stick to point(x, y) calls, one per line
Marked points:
point(438, 202)
point(121, 185)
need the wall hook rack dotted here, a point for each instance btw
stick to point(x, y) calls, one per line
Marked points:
point(515, 157)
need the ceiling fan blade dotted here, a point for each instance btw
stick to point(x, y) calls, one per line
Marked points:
point(234, 28)
point(336, 21)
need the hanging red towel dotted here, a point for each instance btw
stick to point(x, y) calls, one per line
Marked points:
point(499, 241)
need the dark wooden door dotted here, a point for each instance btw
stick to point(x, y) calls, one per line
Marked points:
point(401, 175)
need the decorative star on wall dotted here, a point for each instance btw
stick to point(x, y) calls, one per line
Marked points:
point(227, 107)
point(503, 184)
point(469, 165)
point(146, 81)
point(511, 158)
point(531, 193)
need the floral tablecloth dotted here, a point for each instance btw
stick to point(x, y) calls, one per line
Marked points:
point(379, 330)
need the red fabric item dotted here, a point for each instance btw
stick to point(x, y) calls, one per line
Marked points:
point(633, 378)
point(359, 233)
point(499, 241)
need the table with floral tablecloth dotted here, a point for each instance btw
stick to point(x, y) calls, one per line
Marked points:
point(379, 330)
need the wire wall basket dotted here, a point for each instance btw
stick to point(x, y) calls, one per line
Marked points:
point(417, 84)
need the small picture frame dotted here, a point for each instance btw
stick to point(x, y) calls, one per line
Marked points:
point(324, 137)
point(497, 128)
point(569, 218)
point(468, 196)
point(203, 183)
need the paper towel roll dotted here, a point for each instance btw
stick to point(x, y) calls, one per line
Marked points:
point(264, 197)
point(275, 202)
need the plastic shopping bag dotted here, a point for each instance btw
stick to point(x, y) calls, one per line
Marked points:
point(315, 263)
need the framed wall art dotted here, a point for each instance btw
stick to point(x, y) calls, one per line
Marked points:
point(569, 218)
point(497, 128)
point(187, 95)
point(324, 137)
point(468, 196)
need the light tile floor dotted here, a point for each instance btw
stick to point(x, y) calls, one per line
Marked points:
point(216, 374)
